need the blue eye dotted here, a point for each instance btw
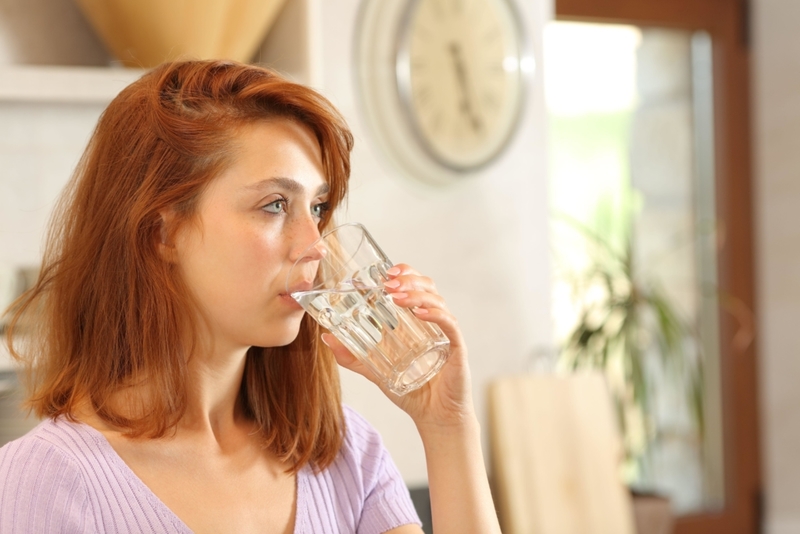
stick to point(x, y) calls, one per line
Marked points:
point(319, 210)
point(279, 206)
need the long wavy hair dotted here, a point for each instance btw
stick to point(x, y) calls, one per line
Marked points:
point(108, 312)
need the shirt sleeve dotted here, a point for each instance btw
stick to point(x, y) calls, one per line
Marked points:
point(41, 490)
point(387, 503)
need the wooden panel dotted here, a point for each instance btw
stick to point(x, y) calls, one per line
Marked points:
point(556, 454)
point(675, 13)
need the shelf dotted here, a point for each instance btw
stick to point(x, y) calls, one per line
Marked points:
point(63, 84)
point(291, 47)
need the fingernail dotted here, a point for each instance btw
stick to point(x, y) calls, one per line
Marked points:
point(392, 283)
point(394, 271)
point(324, 338)
point(420, 311)
point(398, 295)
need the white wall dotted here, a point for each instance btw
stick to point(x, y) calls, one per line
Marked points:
point(39, 144)
point(776, 77)
point(484, 241)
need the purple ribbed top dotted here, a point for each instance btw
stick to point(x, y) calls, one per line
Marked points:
point(66, 477)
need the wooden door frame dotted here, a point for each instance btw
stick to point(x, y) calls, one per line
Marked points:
point(727, 22)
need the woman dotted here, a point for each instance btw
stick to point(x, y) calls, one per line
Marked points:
point(182, 388)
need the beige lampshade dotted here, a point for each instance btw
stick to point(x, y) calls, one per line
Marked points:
point(145, 33)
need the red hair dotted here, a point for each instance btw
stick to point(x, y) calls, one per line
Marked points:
point(107, 312)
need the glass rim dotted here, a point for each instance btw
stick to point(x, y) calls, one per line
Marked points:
point(365, 235)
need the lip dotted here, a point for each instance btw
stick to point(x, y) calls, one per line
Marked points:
point(300, 286)
point(287, 296)
point(290, 301)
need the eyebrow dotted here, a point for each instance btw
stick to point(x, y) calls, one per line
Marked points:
point(286, 184)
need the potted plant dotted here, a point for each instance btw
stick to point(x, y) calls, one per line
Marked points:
point(629, 328)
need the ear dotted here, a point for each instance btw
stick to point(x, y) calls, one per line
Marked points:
point(165, 236)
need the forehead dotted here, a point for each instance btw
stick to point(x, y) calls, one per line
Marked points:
point(275, 148)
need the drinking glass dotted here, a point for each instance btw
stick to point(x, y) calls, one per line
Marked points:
point(348, 298)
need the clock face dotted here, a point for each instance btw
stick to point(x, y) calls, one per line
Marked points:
point(459, 78)
point(441, 82)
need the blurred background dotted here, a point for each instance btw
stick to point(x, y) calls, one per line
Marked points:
point(641, 220)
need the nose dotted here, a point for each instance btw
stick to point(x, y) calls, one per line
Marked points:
point(316, 252)
point(308, 246)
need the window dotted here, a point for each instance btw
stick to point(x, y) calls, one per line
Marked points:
point(650, 153)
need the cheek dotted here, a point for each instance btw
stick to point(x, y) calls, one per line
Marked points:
point(250, 259)
point(262, 254)
point(226, 262)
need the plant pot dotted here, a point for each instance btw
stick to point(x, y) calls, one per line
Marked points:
point(145, 33)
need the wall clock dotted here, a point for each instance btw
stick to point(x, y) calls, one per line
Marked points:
point(442, 82)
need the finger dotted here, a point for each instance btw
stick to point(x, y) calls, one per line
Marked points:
point(343, 356)
point(444, 320)
point(432, 308)
point(421, 299)
point(407, 282)
point(400, 269)
point(409, 279)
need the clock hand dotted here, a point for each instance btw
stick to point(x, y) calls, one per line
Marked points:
point(461, 76)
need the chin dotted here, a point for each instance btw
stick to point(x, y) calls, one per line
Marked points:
point(279, 337)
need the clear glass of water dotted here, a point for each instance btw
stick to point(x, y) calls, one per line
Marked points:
point(348, 298)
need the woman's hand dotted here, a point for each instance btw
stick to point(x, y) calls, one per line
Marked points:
point(442, 409)
point(446, 399)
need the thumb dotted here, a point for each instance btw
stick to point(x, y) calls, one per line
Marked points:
point(345, 358)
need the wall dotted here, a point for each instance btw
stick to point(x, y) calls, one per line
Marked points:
point(776, 103)
point(39, 144)
point(483, 241)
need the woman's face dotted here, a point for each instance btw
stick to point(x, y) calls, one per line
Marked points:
point(252, 223)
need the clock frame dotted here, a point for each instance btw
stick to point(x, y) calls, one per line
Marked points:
point(390, 50)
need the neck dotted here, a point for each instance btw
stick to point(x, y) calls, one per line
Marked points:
point(214, 378)
point(213, 384)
